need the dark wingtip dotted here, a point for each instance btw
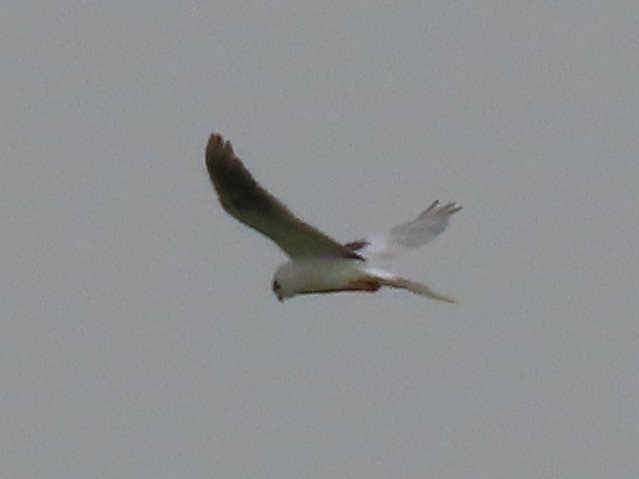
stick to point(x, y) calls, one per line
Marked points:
point(235, 186)
point(217, 147)
point(219, 158)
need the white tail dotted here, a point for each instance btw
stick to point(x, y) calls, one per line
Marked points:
point(388, 279)
point(417, 288)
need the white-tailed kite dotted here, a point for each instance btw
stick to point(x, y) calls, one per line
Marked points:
point(319, 264)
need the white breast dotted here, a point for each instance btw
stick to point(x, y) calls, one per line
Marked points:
point(318, 274)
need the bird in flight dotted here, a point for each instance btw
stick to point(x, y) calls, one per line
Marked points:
point(318, 263)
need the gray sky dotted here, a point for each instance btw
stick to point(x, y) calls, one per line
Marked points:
point(139, 336)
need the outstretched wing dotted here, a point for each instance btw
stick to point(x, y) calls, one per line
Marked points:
point(407, 236)
point(243, 198)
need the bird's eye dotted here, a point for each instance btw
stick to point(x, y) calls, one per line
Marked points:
point(276, 286)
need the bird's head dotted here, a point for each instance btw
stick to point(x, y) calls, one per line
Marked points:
point(285, 282)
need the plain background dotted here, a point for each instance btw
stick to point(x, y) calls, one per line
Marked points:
point(138, 333)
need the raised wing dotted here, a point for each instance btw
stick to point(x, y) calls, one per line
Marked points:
point(243, 198)
point(407, 236)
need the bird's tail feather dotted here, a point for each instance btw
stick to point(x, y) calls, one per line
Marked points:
point(415, 287)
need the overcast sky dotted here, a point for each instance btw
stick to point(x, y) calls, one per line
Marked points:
point(139, 336)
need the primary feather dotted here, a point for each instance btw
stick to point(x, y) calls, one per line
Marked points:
point(243, 198)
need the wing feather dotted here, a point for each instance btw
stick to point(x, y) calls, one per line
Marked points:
point(408, 236)
point(244, 199)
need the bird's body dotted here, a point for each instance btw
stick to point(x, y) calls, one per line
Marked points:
point(321, 275)
point(318, 263)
